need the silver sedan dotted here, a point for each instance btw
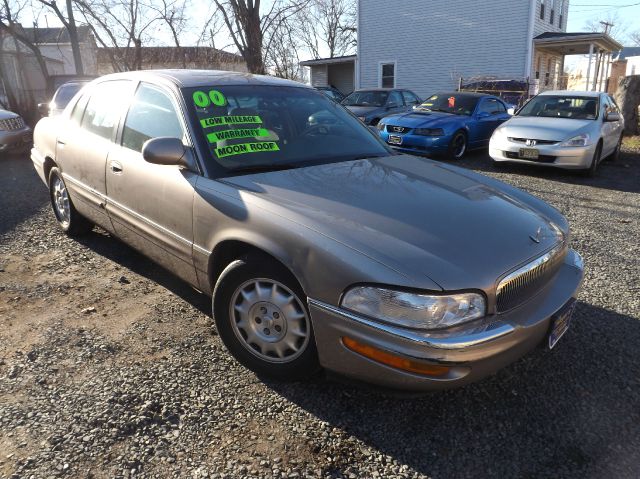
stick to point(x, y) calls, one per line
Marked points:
point(562, 129)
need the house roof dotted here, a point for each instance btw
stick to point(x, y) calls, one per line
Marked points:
point(575, 43)
point(328, 61)
point(155, 55)
point(629, 52)
point(57, 35)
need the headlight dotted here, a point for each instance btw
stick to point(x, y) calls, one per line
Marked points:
point(580, 140)
point(499, 133)
point(429, 131)
point(380, 126)
point(411, 310)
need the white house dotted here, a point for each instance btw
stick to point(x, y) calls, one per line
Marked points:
point(55, 43)
point(431, 46)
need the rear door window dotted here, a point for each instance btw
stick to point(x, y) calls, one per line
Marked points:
point(105, 107)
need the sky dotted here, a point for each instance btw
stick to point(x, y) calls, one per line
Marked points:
point(625, 13)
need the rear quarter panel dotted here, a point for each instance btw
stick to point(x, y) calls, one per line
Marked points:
point(44, 144)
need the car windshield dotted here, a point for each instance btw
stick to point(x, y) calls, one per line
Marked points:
point(457, 104)
point(260, 128)
point(555, 106)
point(65, 93)
point(366, 98)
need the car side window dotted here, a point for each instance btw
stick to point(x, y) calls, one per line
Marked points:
point(491, 106)
point(78, 109)
point(395, 97)
point(612, 103)
point(152, 114)
point(104, 108)
point(410, 98)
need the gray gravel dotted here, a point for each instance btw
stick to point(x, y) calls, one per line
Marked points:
point(110, 367)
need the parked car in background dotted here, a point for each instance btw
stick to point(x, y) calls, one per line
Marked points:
point(15, 134)
point(61, 98)
point(372, 105)
point(447, 124)
point(320, 245)
point(561, 129)
point(333, 93)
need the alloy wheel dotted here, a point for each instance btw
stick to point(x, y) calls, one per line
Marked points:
point(61, 201)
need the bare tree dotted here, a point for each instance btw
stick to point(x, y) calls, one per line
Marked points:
point(611, 23)
point(172, 14)
point(122, 26)
point(329, 26)
point(69, 22)
point(635, 38)
point(248, 27)
point(282, 58)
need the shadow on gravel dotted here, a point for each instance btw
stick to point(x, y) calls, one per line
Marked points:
point(623, 175)
point(23, 193)
point(564, 413)
point(112, 248)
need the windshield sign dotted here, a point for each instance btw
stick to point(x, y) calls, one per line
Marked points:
point(450, 103)
point(552, 106)
point(260, 128)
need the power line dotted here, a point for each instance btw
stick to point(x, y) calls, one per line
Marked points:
point(603, 5)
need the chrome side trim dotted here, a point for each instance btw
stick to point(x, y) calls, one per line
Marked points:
point(80, 184)
point(202, 250)
point(460, 341)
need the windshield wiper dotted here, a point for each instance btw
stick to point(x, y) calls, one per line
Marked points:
point(263, 168)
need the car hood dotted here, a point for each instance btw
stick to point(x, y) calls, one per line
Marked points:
point(421, 119)
point(363, 110)
point(5, 115)
point(552, 129)
point(420, 218)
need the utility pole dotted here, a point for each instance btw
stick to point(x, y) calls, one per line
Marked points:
point(607, 27)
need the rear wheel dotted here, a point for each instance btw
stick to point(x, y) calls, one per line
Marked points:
point(457, 146)
point(261, 315)
point(68, 218)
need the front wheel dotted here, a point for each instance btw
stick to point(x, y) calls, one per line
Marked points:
point(262, 318)
point(68, 218)
point(595, 161)
point(457, 146)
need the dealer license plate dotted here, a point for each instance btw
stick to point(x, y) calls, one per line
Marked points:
point(529, 153)
point(395, 140)
point(560, 322)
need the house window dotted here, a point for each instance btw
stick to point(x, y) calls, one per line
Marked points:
point(538, 62)
point(542, 10)
point(388, 75)
point(548, 73)
point(561, 13)
point(553, 12)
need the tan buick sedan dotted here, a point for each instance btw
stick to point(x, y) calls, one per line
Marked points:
point(321, 247)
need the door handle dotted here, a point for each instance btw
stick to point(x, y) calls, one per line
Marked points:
point(115, 167)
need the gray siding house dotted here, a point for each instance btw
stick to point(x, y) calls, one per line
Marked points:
point(429, 46)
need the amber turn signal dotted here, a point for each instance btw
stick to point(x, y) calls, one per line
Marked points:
point(394, 361)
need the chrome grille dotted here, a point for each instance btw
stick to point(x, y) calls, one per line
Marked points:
point(525, 282)
point(537, 142)
point(11, 124)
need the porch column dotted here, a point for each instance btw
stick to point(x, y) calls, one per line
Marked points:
point(589, 67)
point(606, 76)
point(597, 72)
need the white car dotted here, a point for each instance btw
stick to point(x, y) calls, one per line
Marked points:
point(562, 129)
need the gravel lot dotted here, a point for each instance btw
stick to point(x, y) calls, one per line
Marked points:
point(111, 367)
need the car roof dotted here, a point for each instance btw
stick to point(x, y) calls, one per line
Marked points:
point(195, 78)
point(470, 94)
point(594, 94)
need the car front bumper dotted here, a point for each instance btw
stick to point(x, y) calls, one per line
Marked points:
point(471, 352)
point(418, 144)
point(577, 158)
point(15, 139)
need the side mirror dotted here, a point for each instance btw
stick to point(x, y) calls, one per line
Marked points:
point(612, 116)
point(43, 109)
point(484, 114)
point(166, 151)
point(511, 111)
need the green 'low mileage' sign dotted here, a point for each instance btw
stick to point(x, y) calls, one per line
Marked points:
point(230, 120)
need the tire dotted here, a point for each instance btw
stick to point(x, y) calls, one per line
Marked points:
point(595, 161)
point(615, 156)
point(268, 328)
point(68, 218)
point(457, 146)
